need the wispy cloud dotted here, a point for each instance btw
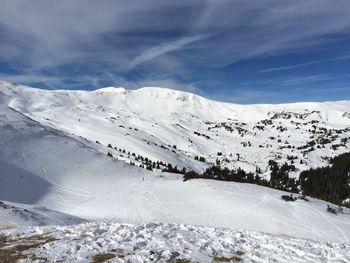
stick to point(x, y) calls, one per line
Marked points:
point(150, 40)
point(161, 49)
point(302, 80)
point(117, 32)
point(345, 57)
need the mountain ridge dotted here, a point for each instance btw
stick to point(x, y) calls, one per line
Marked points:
point(163, 91)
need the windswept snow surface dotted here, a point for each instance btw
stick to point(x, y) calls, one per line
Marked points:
point(171, 242)
point(41, 166)
point(20, 215)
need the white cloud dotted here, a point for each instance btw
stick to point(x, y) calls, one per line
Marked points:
point(45, 33)
point(118, 35)
point(345, 57)
point(161, 49)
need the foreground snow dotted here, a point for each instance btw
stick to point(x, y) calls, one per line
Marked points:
point(168, 243)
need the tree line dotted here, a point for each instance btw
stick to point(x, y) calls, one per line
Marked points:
point(330, 183)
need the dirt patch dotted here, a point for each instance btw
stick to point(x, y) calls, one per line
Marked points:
point(12, 250)
point(179, 260)
point(235, 258)
point(103, 257)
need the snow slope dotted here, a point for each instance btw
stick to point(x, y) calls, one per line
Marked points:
point(14, 215)
point(42, 166)
point(175, 126)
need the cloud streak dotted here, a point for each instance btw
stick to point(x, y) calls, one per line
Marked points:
point(41, 33)
point(186, 42)
point(157, 51)
point(345, 57)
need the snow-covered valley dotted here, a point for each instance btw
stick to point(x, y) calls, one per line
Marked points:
point(54, 164)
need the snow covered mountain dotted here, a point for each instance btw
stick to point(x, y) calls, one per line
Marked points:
point(44, 167)
point(178, 127)
point(49, 158)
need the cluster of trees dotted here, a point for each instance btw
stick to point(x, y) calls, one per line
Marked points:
point(279, 177)
point(245, 144)
point(289, 198)
point(288, 115)
point(224, 174)
point(334, 210)
point(281, 128)
point(228, 127)
point(330, 183)
point(165, 167)
point(173, 169)
point(200, 158)
point(202, 134)
point(259, 127)
point(147, 163)
point(309, 144)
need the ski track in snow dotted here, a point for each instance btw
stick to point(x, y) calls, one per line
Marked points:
point(82, 196)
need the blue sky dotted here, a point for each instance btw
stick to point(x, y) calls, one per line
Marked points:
point(238, 51)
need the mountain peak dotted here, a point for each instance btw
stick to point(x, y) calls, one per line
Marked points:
point(168, 94)
point(110, 90)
